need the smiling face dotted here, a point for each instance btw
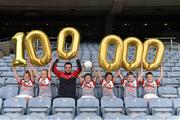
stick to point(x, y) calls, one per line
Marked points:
point(68, 68)
point(108, 78)
point(27, 76)
point(130, 78)
point(149, 78)
point(87, 78)
point(44, 74)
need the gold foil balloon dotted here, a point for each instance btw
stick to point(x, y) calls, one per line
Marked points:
point(19, 60)
point(116, 63)
point(29, 43)
point(159, 54)
point(61, 43)
point(138, 53)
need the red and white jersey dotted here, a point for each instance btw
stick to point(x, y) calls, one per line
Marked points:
point(26, 87)
point(108, 88)
point(150, 87)
point(45, 82)
point(85, 84)
point(29, 83)
point(88, 88)
point(106, 84)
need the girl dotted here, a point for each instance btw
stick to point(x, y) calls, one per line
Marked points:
point(88, 84)
point(26, 84)
point(44, 81)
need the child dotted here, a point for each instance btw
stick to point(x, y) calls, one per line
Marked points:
point(26, 84)
point(150, 86)
point(88, 83)
point(44, 81)
point(108, 84)
point(130, 84)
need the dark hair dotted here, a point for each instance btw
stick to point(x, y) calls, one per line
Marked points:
point(27, 72)
point(68, 63)
point(108, 73)
point(87, 74)
point(45, 70)
point(130, 73)
point(148, 73)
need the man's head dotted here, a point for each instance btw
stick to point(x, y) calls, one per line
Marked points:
point(149, 76)
point(88, 77)
point(67, 67)
point(130, 76)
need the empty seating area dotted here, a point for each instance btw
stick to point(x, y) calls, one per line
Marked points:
point(167, 107)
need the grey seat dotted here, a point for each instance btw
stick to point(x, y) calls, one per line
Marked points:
point(161, 107)
point(11, 81)
point(64, 107)
point(172, 82)
point(88, 105)
point(111, 107)
point(167, 92)
point(173, 118)
point(4, 117)
point(14, 107)
point(176, 106)
point(27, 117)
point(122, 117)
point(147, 117)
point(58, 117)
point(39, 106)
point(135, 107)
point(8, 91)
point(88, 117)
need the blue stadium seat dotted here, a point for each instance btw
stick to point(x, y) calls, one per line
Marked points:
point(4, 117)
point(27, 117)
point(122, 117)
point(64, 107)
point(136, 107)
point(14, 107)
point(112, 107)
point(147, 117)
point(173, 118)
point(39, 106)
point(161, 107)
point(8, 91)
point(88, 105)
point(176, 106)
point(172, 82)
point(167, 92)
point(88, 117)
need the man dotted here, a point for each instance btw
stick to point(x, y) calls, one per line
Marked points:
point(67, 87)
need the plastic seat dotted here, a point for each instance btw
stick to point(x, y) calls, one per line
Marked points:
point(39, 106)
point(14, 107)
point(135, 107)
point(167, 92)
point(147, 117)
point(111, 107)
point(88, 105)
point(8, 91)
point(64, 107)
point(161, 107)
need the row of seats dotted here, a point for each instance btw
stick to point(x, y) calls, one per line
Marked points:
point(107, 108)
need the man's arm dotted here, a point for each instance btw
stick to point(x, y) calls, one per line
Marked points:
point(76, 72)
point(55, 69)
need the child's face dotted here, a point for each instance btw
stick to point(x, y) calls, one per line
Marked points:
point(149, 78)
point(44, 74)
point(88, 78)
point(109, 78)
point(27, 77)
point(130, 78)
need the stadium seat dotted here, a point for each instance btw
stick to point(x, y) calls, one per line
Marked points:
point(172, 82)
point(88, 105)
point(147, 117)
point(173, 118)
point(39, 106)
point(58, 117)
point(167, 92)
point(14, 107)
point(8, 91)
point(4, 117)
point(176, 106)
point(64, 107)
point(88, 117)
point(135, 107)
point(161, 107)
point(10, 81)
point(121, 117)
point(27, 117)
point(2, 81)
point(111, 107)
